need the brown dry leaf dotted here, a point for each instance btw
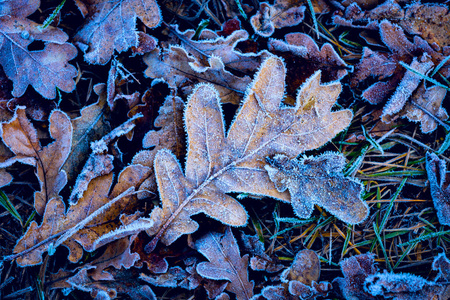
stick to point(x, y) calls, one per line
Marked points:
point(303, 58)
point(95, 214)
point(171, 136)
point(319, 180)
point(425, 103)
point(429, 20)
point(284, 13)
point(182, 70)
point(5, 178)
point(300, 281)
point(225, 263)
point(118, 255)
point(111, 25)
point(217, 163)
point(21, 138)
point(91, 125)
point(45, 69)
point(439, 185)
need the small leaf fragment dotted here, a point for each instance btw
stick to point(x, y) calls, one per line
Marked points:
point(439, 185)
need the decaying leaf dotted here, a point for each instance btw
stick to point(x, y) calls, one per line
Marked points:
point(91, 125)
point(259, 261)
point(425, 106)
point(5, 178)
point(170, 136)
point(217, 163)
point(439, 185)
point(124, 283)
point(303, 58)
point(225, 262)
point(356, 269)
point(45, 69)
point(111, 25)
point(429, 20)
point(300, 281)
point(182, 70)
point(21, 138)
point(283, 13)
point(319, 180)
point(80, 226)
point(403, 85)
point(211, 44)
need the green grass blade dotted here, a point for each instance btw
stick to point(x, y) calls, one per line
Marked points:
point(4, 201)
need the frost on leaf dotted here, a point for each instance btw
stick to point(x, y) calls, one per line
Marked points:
point(303, 57)
point(426, 103)
point(283, 13)
point(45, 69)
point(111, 25)
point(210, 44)
point(431, 21)
point(21, 138)
point(439, 185)
point(259, 261)
point(124, 283)
point(170, 136)
point(356, 269)
point(80, 226)
point(300, 281)
point(182, 70)
point(217, 163)
point(395, 82)
point(401, 286)
point(319, 180)
point(225, 262)
point(88, 127)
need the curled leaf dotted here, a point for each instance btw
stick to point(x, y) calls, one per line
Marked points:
point(439, 185)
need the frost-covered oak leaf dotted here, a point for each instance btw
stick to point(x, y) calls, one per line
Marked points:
point(46, 69)
point(78, 228)
point(21, 138)
point(225, 262)
point(218, 163)
point(319, 180)
point(111, 25)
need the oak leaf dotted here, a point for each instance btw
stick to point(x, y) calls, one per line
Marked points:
point(45, 69)
point(80, 226)
point(439, 185)
point(319, 180)
point(225, 262)
point(21, 138)
point(217, 163)
point(111, 25)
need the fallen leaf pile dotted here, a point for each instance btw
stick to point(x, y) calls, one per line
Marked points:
point(269, 151)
